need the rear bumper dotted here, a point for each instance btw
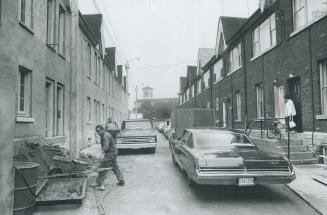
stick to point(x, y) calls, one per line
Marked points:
point(136, 145)
point(232, 179)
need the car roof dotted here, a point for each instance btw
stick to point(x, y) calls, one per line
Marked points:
point(213, 129)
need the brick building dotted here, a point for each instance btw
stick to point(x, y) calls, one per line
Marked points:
point(280, 49)
point(44, 85)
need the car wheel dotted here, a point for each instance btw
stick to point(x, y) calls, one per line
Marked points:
point(153, 150)
point(189, 180)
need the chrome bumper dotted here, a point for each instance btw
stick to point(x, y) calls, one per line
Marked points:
point(232, 178)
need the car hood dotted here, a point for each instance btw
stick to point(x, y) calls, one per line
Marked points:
point(245, 158)
point(136, 132)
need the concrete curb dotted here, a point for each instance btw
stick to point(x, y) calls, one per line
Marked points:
point(304, 199)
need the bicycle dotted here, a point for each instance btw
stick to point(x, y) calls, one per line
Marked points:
point(274, 129)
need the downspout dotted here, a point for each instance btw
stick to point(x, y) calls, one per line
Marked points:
point(245, 80)
point(312, 88)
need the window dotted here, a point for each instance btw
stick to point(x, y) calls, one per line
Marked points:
point(62, 32)
point(259, 94)
point(24, 92)
point(306, 11)
point(49, 108)
point(88, 109)
point(238, 106)
point(264, 36)
point(51, 23)
point(235, 58)
point(180, 99)
point(323, 87)
point(206, 78)
point(96, 66)
point(26, 13)
point(99, 70)
point(199, 86)
point(186, 95)
point(60, 110)
point(279, 92)
point(217, 109)
point(87, 59)
point(218, 71)
point(191, 91)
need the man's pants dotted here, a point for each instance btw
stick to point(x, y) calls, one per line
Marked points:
point(109, 160)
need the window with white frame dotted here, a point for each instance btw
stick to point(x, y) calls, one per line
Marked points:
point(26, 13)
point(206, 78)
point(180, 99)
point(62, 30)
point(307, 11)
point(24, 92)
point(217, 109)
point(186, 94)
point(218, 71)
point(51, 23)
point(238, 106)
point(199, 86)
point(260, 104)
point(323, 87)
point(264, 36)
point(191, 91)
point(235, 58)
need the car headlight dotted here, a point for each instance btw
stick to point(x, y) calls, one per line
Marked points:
point(119, 140)
point(153, 139)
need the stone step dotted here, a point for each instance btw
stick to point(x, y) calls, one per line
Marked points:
point(305, 161)
point(297, 148)
point(299, 155)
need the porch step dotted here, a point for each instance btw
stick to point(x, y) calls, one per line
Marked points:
point(299, 155)
point(304, 161)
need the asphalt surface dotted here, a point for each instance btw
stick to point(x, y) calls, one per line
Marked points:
point(154, 186)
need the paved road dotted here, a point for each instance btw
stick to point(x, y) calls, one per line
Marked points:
point(155, 186)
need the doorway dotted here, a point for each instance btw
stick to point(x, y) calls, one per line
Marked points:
point(49, 110)
point(294, 91)
point(224, 114)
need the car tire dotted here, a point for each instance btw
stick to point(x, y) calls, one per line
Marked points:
point(189, 180)
point(152, 150)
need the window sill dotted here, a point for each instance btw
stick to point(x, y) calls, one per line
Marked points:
point(62, 56)
point(29, 29)
point(321, 117)
point(307, 25)
point(264, 52)
point(236, 70)
point(51, 48)
point(237, 120)
point(220, 79)
point(25, 119)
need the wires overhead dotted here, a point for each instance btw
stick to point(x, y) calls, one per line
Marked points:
point(163, 65)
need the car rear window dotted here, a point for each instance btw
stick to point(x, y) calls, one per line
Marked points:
point(212, 140)
point(133, 125)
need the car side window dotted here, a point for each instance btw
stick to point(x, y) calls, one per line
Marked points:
point(189, 141)
point(185, 136)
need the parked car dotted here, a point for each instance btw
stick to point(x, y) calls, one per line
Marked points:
point(227, 157)
point(137, 134)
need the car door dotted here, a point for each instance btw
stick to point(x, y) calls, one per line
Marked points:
point(186, 156)
point(177, 147)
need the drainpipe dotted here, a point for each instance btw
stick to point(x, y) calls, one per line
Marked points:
point(312, 87)
point(245, 83)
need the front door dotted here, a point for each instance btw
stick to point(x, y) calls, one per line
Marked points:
point(294, 91)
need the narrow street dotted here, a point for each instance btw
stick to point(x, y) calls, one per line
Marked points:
point(156, 186)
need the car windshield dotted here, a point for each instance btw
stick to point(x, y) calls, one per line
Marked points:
point(214, 140)
point(132, 125)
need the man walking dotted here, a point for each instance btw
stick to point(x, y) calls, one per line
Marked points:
point(108, 144)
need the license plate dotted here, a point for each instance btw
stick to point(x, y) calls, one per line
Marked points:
point(245, 181)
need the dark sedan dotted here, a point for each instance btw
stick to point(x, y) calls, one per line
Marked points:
point(227, 157)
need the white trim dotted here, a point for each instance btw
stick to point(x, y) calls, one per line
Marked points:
point(25, 119)
point(220, 79)
point(228, 74)
point(321, 117)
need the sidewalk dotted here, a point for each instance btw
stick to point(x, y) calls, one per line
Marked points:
point(311, 185)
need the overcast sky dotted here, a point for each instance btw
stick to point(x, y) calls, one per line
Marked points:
point(164, 34)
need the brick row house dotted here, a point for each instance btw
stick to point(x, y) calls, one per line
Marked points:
point(57, 80)
point(280, 49)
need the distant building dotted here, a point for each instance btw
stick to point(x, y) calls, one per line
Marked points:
point(147, 92)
